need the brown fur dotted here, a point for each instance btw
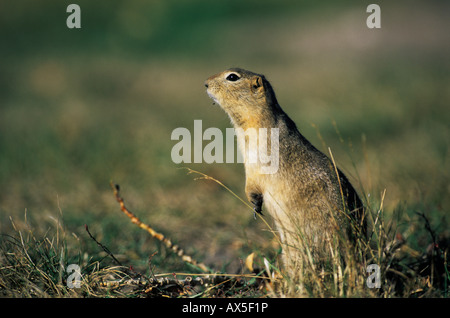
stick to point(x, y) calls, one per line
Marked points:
point(311, 204)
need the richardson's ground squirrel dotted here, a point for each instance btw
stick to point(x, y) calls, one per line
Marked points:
point(313, 204)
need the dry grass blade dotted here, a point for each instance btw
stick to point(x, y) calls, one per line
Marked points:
point(206, 177)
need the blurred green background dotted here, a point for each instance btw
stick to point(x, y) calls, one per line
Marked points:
point(82, 107)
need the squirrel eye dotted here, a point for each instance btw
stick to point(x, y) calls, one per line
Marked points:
point(232, 77)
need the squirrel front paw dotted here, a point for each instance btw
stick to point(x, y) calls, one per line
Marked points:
point(257, 200)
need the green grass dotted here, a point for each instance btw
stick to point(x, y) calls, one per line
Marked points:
point(413, 262)
point(81, 108)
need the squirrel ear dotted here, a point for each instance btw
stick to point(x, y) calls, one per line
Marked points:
point(257, 83)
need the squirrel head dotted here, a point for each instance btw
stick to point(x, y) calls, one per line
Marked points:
point(240, 92)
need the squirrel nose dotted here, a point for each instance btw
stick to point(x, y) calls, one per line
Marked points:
point(206, 84)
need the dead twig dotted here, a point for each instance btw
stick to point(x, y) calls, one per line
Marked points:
point(107, 251)
point(167, 242)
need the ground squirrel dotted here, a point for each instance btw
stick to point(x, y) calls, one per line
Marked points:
point(310, 200)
